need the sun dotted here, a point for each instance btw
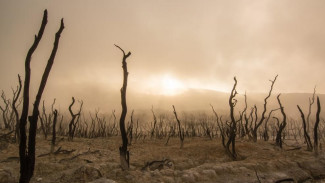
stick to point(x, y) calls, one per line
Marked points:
point(164, 84)
point(171, 86)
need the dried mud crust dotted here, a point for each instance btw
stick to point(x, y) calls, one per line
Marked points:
point(200, 160)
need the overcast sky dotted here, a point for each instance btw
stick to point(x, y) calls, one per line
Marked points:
point(175, 45)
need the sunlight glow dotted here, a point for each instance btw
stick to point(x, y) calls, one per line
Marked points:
point(171, 86)
point(164, 84)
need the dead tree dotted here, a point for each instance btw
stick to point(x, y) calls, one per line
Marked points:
point(311, 102)
point(228, 132)
point(257, 125)
point(154, 123)
point(74, 119)
point(16, 94)
point(266, 130)
point(124, 153)
point(306, 135)
point(27, 156)
point(316, 126)
point(45, 120)
point(282, 125)
point(180, 132)
point(114, 128)
point(5, 110)
point(243, 128)
point(55, 113)
point(231, 151)
point(220, 126)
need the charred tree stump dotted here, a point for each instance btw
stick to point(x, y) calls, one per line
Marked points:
point(27, 155)
point(124, 153)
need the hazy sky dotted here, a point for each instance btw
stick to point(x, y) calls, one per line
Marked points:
point(175, 45)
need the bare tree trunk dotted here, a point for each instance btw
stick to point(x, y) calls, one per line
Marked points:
point(124, 153)
point(27, 157)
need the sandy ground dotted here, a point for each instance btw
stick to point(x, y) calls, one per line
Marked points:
point(200, 160)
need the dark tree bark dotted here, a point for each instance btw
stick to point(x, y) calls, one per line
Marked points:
point(306, 135)
point(27, 157)
point(130, 129)
point(257, 125)
point(180, 133)
point(124, 153)
point(283, 124)
point(316, 126)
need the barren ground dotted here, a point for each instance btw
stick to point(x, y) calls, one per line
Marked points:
point(201, 160)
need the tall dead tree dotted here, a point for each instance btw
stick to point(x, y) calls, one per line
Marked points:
point(74, 119)
point(316, 126)
point(124, 153)
point(27, 155)
point(281, 125)
point(180, 132)
point(257, 125)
